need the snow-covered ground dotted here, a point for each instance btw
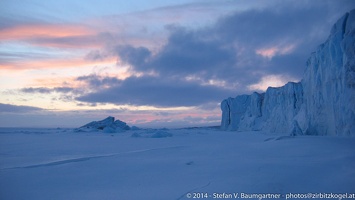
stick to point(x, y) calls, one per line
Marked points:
point(170, 164)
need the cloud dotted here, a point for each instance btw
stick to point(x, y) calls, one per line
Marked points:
point(9, 108)
point(77, 42)
point(37, 33)
point(134, 56)
point(96, 55)
point(191, 55)
point(236, 43)
point(185, 53)
point(243, 51)
point(96, 82)
point(153, 91)
point(270, 52)
point(44, 90)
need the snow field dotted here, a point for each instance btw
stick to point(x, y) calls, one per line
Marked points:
point(62, 164)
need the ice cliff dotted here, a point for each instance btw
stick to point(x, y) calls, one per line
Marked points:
point(323, 103)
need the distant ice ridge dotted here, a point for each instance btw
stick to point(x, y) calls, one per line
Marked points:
point(323, 103)
point(107, 125)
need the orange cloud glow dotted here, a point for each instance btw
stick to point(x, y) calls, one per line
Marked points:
point(43, 30)
point(53, 35)
point(269, 53)
point(56, 63)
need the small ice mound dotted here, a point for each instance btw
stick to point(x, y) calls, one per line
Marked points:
point(108, 129)
point(120, 125)
point(113, 129)
point(161, 134)
point(107, 125)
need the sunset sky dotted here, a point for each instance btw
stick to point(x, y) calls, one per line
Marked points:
point(157, 63)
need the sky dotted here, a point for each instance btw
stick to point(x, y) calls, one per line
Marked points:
point(157, 63)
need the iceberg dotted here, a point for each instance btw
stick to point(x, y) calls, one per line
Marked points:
point(323, 103)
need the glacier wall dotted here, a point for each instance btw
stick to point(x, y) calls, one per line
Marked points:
point(323, 103)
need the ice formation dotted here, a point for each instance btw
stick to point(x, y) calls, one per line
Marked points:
point(107, 125)
point(323, 103)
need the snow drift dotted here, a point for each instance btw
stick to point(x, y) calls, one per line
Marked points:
point(321, 104)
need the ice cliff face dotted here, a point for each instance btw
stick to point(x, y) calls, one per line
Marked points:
point(323, 103)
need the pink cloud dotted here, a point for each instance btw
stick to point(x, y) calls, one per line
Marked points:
point(44, 30)
point(55, 63)
point(53, 35)
point(275, 50)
